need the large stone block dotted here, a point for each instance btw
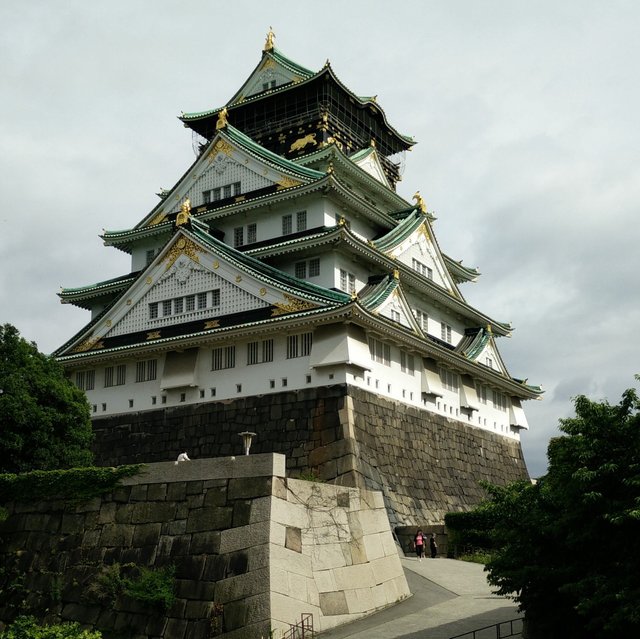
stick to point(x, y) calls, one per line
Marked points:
point(250, 536)
point(206, 519)
point(242, 586)
point(333, 603)
point(249, 487)
point(146, 535)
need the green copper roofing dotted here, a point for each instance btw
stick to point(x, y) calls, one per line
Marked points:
point(235, 135)
point(280, 57)
point(115, 282)
point(363, 153)
point(375, 294)
point(459, 272)
point(472, 345)
point(401, 232)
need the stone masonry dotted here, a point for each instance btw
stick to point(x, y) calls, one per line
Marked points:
point(424, 464)
point(252, 551)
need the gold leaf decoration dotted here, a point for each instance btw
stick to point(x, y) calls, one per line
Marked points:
point(158, 218)
point(291, 305)
point(88, 345)
point(286, 182)
point(211, 324)
point(182, 246)
point(153, 335)
point(221, 146)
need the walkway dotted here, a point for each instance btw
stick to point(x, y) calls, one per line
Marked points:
point(449, 597)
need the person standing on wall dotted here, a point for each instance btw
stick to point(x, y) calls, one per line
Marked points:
point(418, 544)
point(433, 546)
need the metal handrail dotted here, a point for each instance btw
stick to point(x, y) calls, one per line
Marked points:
point(504, 629)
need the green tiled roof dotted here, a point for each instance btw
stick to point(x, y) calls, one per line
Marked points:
point(374, 294)
point(401, 232)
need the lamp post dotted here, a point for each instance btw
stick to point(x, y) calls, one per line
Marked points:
point(247, 436)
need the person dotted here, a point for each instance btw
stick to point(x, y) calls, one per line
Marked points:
point(433, 546)
point(418, 543)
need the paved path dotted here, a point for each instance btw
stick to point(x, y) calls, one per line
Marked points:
point(449, 597)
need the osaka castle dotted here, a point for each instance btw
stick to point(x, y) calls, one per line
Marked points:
point(284, 286)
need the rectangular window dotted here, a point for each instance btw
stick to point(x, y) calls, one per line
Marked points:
point(206, 196)
point(215, 297)
point(301, 270)
point(347, 281)
point(445, 332)
point(267, 350)
point(153, 310)
point(90, 380)
point(238, 236)
point(449, 379)
point(121, 375)
point(299, 345)
point(314, 267)
point(379, 351)
point(301, 220)
point(252, 233)
point(179, 305)
point(422, 319)
point(190, 301)
point(287, 224)
point(223, 357)
point(406, 363)
point(236, 188)
point(227, 190)
point(481, 391)
point(489, 362)
point(499, 401)
point(216, 194)
point(252, 353)
point(108, 377)
point(423, 269)
point(150, 256)
point(202, 300)
point(146, 370)
point(166, 308)
point(395, 315)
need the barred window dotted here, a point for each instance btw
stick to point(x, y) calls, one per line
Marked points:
point(314, 267)
point(153, 310)
point(166, 308)
point(202, 300)
point(238, 236)
point(299, 345)
point(395, 315)
point(85, 380)
point(379, 351)
point(223, 357)
point(258, 352)
point(422, 319)
point(301, 220)
point(215, 297)
point(481, 391)
point(252, 353)
point(121, 375)
point(301, 270)
point(190, 302)
point(422, 268)
point(406, 363)
point(149, 256)
point(347, 281)
point(445, 332)
point(449, 379)
point(227, 188)
point(267, 350)
point(499, 400)
point(179, 305)
point(108, 376)
point(252, 233)
point(287, 224)
point(146, 370)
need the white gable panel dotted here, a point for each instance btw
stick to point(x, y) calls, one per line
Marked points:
point(183, 279)
point(269, 76)
point(372, 166)
point(395, 309)
point(491, 358)
point(418, 253)
point(223, 171)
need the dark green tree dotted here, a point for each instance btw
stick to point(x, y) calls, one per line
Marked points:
point(567, 547)
point(44, 419)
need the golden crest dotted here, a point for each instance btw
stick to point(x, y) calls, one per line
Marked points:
point(158, 218)
point(216, 264)
point(149, 280)
point(291, 305)
point(88, 345)
point(182, 246)
point(263, 291)
point(286, 182)
point(238, 278)
point(221, 146)
point(153, 335)
point(211, 324)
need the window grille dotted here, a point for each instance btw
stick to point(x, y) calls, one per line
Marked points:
point(121, 375)
point(406, 363)
point(301, 220)
point(108, 376)
point(252, 233)
point(179, 305)
point(449, 379)
point(481, 391)
point(301, 270)
point(267, 350)
point(499, 401)
point(150, 255)
point(190, 302)
point(314, 267)
point(395, 316)
point(423, 269)
point(299, 345)
point(153, 310)
point(146, 370)
point(238, 236)
point(223, 357)
point(379, 351)
point(445, 332)
point(215, 297)
point(287, 224)
point(202, 300)
point(252, 353)
point(166, 308)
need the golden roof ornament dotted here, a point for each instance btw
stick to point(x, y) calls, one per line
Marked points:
point(396, 274)
point(222, 119)
point(420, 203)
point(185, 213)
point(268, 45)
point(489, 329)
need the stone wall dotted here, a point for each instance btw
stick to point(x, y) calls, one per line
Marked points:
point(424, 464)
point(251, 549)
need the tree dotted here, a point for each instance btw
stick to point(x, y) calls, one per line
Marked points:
point(567, 547)
point(44, 419)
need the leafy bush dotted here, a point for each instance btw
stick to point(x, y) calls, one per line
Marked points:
point(28, 628)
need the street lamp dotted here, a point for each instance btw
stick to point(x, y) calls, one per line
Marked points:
point(247, 436)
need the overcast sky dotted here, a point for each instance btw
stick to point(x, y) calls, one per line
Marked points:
point(526, 116)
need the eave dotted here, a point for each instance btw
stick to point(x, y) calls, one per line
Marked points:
point(81, 295)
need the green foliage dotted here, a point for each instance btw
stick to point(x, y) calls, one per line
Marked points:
point(44, 419)
point(567, 546)
point(469, 531)
point(27, 628)
point(155, 587)
point(75, 483)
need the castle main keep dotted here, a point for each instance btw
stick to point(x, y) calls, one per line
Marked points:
point(284, 286)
